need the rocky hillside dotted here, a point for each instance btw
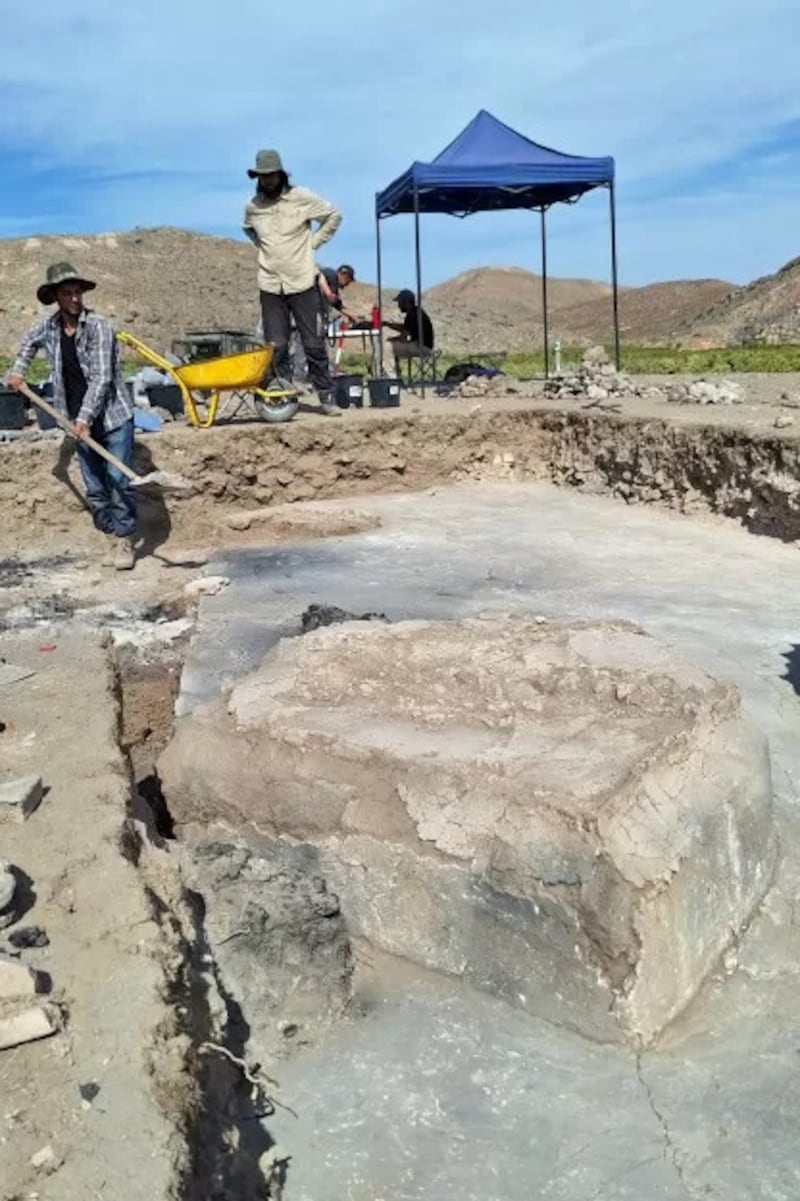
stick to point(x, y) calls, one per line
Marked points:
point(159, 283)
point(767, 311)
point(647, 316)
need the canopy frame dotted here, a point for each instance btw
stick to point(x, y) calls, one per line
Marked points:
point(459, 182)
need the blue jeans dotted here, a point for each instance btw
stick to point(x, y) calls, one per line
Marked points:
point(109, 494)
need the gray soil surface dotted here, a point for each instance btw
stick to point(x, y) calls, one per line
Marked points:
point(425, 1089)
point(440, 1092)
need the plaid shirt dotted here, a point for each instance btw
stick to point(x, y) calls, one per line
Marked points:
point(106, 396)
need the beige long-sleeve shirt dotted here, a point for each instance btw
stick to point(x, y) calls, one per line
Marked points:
point(283, 230)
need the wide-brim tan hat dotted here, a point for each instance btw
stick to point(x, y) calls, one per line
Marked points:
point(267, 162)
point(61, 273)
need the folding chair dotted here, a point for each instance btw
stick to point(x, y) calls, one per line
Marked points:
point(417, 368)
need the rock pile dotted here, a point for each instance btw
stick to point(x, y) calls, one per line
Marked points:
point(483, 385)
point(705, 392)
point(597, 379)
point(20, 1021)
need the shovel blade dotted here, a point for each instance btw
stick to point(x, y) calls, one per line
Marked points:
point(164, 480)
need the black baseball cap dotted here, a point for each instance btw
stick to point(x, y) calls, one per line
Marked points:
point(404, 296)
point(346, 267)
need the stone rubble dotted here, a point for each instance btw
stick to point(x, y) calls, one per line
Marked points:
point(17, 979)
point(598, 380)
point(8, 888)
point(45, 1160)
point(27, 1027)
point(208, 585)
point(705, 392)
point(483, 385)
point(19, 798)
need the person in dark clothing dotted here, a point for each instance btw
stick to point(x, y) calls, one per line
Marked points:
point(89, 389)
point(415, 322)
point(331, 284)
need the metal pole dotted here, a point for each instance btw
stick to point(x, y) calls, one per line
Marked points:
point(614, 286)
point(419, 290)
point(544, 294)
point(377, 368)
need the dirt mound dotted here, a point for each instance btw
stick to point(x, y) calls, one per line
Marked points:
point(499, 803)
point(767, 311)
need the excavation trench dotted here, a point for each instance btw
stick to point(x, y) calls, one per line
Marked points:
point(234, 995)
point(727, 470)
point(224, 1009)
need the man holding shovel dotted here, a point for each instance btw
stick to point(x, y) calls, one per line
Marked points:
point(88, 388)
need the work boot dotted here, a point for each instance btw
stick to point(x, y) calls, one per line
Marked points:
point(109, 550)
point(124, 555)
point(328, 407)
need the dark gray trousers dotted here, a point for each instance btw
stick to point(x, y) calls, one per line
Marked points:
point(276, 309)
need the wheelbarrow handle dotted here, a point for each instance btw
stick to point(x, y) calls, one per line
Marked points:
point(67, 425)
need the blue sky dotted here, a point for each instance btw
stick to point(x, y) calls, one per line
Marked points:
point(150, 114)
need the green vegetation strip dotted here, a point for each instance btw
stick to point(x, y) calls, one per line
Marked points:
point(637, 360)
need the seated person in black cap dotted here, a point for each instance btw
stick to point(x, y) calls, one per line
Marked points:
point(416, 322)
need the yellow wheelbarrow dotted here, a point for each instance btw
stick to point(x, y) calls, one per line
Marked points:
point(202, 383)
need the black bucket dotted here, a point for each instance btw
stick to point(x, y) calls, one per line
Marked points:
point(12, 410)
point(166, 396)
point(348, 391)
point(384, 393)
point(44, 420)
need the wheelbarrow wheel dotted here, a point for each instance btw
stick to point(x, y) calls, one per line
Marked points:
point(281, 408)
point(276, 411)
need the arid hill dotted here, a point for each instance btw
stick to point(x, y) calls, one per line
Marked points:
point(491, 308)
point(767, 310)
point(159, 283)
point(647, 316)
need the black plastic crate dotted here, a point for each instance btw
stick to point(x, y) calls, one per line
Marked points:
point(166, 396)
point(348, 391)
point(384, 393)
point(13, 409)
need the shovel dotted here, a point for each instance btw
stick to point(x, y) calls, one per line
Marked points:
point(158, 479)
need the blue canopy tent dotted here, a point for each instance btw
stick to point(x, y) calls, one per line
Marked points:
point(489, 167)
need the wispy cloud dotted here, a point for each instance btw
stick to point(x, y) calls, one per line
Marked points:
point(150, 113)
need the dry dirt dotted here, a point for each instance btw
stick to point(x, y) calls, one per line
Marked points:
point(738, 461)
point(85, 1093)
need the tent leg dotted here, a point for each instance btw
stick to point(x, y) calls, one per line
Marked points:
point(418, 259)
point(614, 283)
point(545, 330)
point(377, 367)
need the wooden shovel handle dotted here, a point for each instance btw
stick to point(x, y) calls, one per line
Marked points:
point(67, 425)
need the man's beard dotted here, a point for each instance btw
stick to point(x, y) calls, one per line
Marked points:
point(272, 192)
